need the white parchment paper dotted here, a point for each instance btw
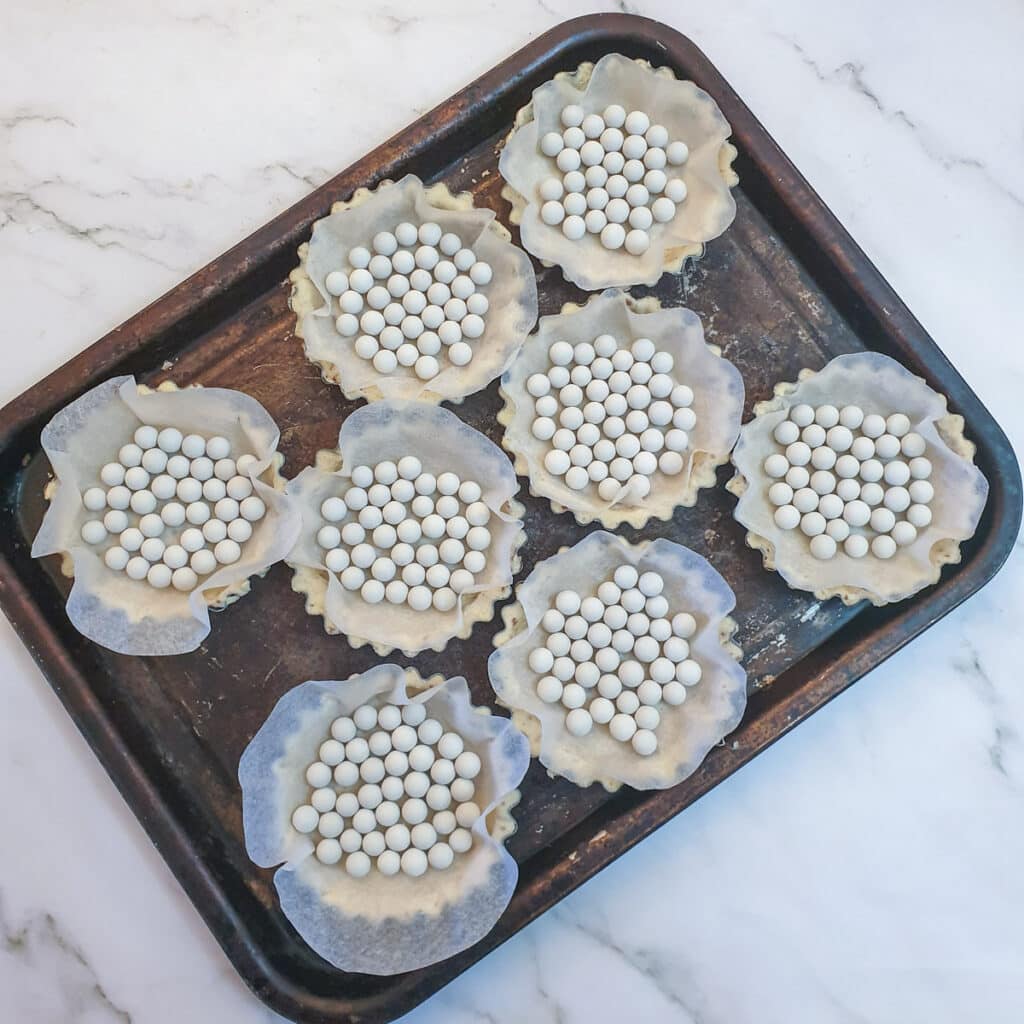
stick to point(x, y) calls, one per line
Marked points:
point(378, 924)
point(880, 385)
point(130, 616)
point(713, 707)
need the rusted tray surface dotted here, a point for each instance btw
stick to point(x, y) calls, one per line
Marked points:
point(784, 288)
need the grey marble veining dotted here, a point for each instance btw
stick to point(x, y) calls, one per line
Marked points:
point(865, 869)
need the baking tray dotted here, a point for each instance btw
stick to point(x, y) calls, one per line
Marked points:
point(784, 288)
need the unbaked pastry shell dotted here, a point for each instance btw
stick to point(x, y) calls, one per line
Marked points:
point(130, 616)
point(443, 443)
point(687, 111)
point(880, 385)
point(718, 403)
point(712, 709)
point(512, 293)
point(376, 924)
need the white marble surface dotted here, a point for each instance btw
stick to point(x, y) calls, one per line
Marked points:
point(867, 868)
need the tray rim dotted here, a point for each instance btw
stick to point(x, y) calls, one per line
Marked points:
point(883, 315)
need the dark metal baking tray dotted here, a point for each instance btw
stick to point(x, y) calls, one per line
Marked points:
point(784, 288)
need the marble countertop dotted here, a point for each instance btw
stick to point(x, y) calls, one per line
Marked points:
point(867, 868)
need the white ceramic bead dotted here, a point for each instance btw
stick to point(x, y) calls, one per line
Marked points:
point(921, 492)
point(644, 742)
point(614, 116)
point(552, 213)
point(813, 436)
point(112, 474)
point(684, 625)
point(152, 525)
point(115, 521)
point(873, 426)
point(450, 745)
point(871, 494)
point(677, 152)
point(847, 467)
point(822, 482)
point(136, 478)
point(823, 547)
point(897, 424)
point(882, 520)
point(675, 190)
point(802, 415)
point(318, 775)
point(305, 819)
point(551, 144)
point(919, 516)
point(214, 490)
point(872, 470)
point(786, 433)
point(912, 445)
point(578, 722)
point(787, 517)
point(461, 840)
point(116, 558)
point(887, 446)
point(154, 460)
point(622, 727)
point(169, 440)
point(252, 509)
point(663, 209)
point(637, 242)
point(848, 489)
point(94, 532)
point(551, 189)
point(613, 236)
point(573, 137)
point(883, 547)
point(137, 568)
point(920, 468)
point(152, 549)
point(145, 437)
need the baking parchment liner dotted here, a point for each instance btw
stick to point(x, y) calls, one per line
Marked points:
point(687, 111)
point(712, 709)
point(512, 292)
point(130, 616)
point(376, 924)
point(880, 385)
point(718, 403)
point(442, 442)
